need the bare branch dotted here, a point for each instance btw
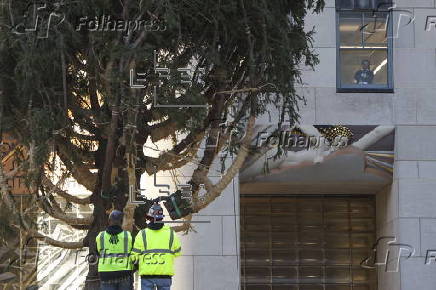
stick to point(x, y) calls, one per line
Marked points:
point(55, 243)
point(54, 210)
point(214, 191)
point(185, 227)
point(71, 198)
point(79, 171)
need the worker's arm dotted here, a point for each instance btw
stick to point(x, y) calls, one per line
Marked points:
point(177, 246)
point(97, 242)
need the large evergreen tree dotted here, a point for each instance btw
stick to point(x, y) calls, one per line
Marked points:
point(66, 91)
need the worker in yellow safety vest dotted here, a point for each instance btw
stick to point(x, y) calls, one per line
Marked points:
point(114, 264)
point(154, 249)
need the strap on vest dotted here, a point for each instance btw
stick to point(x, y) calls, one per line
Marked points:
point(144, 239)
point(102, 243)
point(164, 251)
point(126, 243)
point(171, 238)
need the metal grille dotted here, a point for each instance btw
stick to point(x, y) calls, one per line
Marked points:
point(307, 243)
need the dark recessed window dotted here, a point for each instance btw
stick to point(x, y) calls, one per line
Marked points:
point(364, 50)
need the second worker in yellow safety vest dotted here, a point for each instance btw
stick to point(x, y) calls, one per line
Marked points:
point(154, 249)
point(114, 264)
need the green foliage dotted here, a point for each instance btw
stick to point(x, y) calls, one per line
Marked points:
point(48, 83)
point(264, 39)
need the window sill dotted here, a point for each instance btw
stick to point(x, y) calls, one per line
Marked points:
point(365, 90)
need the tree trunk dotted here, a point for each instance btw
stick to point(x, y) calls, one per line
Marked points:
point(99, 223)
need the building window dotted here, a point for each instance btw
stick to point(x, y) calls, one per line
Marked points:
point(364, 50)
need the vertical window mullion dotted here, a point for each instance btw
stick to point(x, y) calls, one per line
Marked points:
point(362, 22)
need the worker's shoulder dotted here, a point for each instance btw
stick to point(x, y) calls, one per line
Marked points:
point(168, 228)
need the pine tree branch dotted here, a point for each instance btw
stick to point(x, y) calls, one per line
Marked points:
point(55, 243)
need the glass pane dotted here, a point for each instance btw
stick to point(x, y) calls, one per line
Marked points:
point(257, 275)
point(362, 225)
point(364, 67)
point(337, 275)
point(285, 287)
point(362, 240)
point(311, 275)
point(337, 256)
point(345, 4)
point(337, 287)
point(337, 240)
point(257, 287)
point(374, 29)
point(311, 287)
point(313, 221)
point(337, 224)
point(363, 275)
point(349, 29)
point(284, 257)
point(311, 239)
point(283, 239)
point(257, 257)
point(311, 256)
point(363, 4)
point(285, 275)
point(360, 254)
point(360, 208)
point(283, 206)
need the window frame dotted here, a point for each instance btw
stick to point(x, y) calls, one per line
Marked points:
point(389, 87)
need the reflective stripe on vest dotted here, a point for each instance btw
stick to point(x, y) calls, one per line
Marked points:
point(144, 241)
point(117, 255)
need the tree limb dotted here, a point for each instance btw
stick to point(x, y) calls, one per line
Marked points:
point(80, 172)
point(55, 243)
point(54, 210)
point(71, 198)
point(214, 191)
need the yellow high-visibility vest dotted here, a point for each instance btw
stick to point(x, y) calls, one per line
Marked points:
point(155, 251)
point(114, 257)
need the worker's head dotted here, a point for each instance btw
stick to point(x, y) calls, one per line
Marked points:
point(116, 218)
point(366, 64)
point(155, 213)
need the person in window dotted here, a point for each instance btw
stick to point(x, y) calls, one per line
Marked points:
point(365, 75)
